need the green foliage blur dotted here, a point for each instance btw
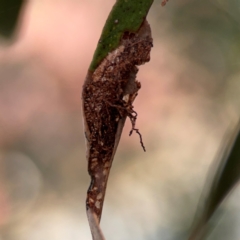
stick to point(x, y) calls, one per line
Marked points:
point(9, 13)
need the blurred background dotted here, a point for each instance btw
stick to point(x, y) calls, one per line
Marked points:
point(188, 104)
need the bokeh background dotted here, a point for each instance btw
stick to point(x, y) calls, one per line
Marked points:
point(187, 107)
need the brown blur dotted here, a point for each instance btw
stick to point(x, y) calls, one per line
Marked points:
point(188, 102)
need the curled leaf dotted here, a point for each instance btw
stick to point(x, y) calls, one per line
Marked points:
point(108, 95)
point(94, 225)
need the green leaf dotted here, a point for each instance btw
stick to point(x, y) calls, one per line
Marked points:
point(226, 177)
point(9, 12)
point(126, 15)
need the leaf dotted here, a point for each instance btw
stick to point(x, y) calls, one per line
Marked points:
point(126, 15)
point(226, 177)
point(9, 12)
point(94, 225)
point(108, 95)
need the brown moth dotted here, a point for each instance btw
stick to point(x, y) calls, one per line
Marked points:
point(107, 98)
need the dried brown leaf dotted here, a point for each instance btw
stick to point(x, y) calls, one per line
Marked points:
point(108, 95)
